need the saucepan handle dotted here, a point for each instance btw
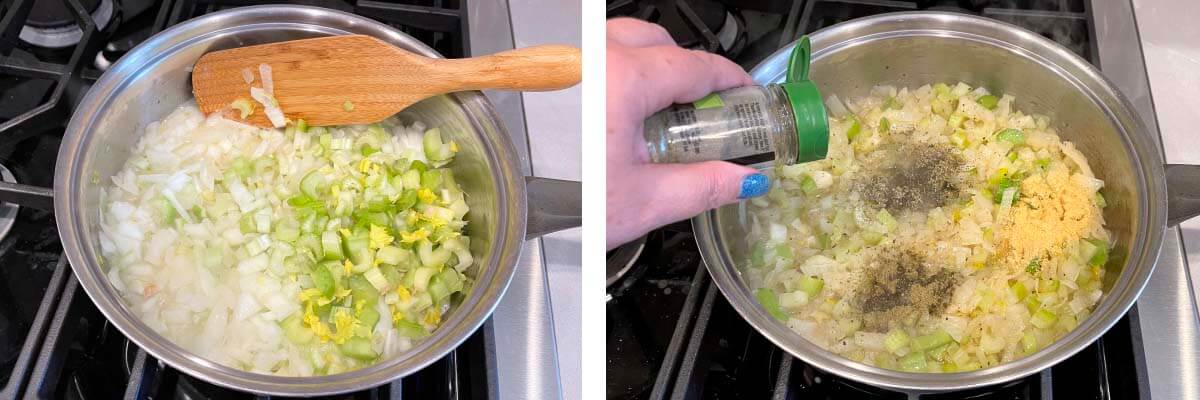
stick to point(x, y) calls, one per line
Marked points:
point(1183, 192)
point(554, 205)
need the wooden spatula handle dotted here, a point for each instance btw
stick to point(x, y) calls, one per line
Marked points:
point(537, 68)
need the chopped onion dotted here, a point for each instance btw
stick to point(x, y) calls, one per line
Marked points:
point(268, 81)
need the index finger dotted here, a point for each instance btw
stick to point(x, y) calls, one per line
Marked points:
point(676, 75)
point(637, 33)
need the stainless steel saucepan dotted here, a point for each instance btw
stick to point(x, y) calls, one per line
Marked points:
point(153, 79)
point(913, 49)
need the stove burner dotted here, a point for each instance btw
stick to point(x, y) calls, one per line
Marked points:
point(695, 24)
point(51, 25)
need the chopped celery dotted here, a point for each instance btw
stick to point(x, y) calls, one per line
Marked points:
point(1043, 318)
point(431, 179)
point(854, 129)
point(895, 340)
point(988, 101)
point(1019, 290)
point(930, 341)
point(959, 139)
point(322, 279)
point(301, 125)
point(409, 329)
point(347, 106)
point(295, 331)
point(368, 150)
point(956, 120)
point(1100, 256)
point(331, 245)
point(454, 281)
point(391, 255)
point(287, 231)
point(872, 237)
point(811, 285)
point(1100, 202)
point(1047, 286)
point(892, 104)
point(313, 184)
point(1029, 343)
point(783, 251)
point(770, 301)
point(1012, 155)
point(358, 248)
point(358, 347)
point(419, 166)
point(368, 317)
point(885, 126)
point(756, 255)
point(913, 362)
point(1042, 163)
point(808, 185)
point(438, 290)
point(421, 278)
point(1014, 136)
point(362, 290)
point(241, 167)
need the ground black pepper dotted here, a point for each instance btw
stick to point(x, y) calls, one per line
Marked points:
point(912, 176)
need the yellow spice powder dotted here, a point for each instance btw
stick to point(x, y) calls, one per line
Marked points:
point(1052, 212)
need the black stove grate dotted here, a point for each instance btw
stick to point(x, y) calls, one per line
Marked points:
point(54, 343)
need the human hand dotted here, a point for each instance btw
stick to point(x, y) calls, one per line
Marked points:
point(647, 72)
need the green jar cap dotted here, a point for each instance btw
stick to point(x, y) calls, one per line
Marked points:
point(812, 124)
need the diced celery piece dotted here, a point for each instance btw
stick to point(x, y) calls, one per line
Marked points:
point(246, 224)
point(913, 362)
point(454, 281)
point(1100, 256)
point(368, 317)
point(854, 129)
point(959, 139)
point(242, 167)
point(885, 126)
point(391, 255)
point(1018, 289)
point(892, 104)
point(808, 185)
point(433, 258)
point(313, 184)
point(988, 101)
point(1043, 318)
point(408, 199)
point(770, 301)
point(419, 166)
point(1048, 285)
point(421, 278)
point(895, 340)
point(287, 231)
point(956, 120)
point(930, 341)
point(362, 290)
point(409, 329)
point(1029, 343)
point(295, 331)
point(331, 245)
point(358, 248)
point(438, 290)
point(412, 178)
point(1014, 136)
point(347, 106)
point(783, 251)
point(358, 347)
point(811, 285)
point(368, 150)
point(431, 179)
point(322, 279)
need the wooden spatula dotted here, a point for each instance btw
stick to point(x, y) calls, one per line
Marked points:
point(356, 79)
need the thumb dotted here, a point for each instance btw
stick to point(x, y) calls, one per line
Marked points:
point(691, 189)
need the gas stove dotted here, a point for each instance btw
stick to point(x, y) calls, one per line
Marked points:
point(55, 344)
point(671, 334)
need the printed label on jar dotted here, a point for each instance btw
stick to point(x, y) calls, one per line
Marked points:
point(727, 127)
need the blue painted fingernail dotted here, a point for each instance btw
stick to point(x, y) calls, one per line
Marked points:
point(754, 185)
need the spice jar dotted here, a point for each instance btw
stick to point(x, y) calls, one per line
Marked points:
point(747, 125)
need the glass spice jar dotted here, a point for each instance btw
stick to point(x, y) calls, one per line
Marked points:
point(747, 125)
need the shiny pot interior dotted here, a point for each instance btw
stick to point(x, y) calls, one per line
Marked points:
point(154, 79)
point(913, 49)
